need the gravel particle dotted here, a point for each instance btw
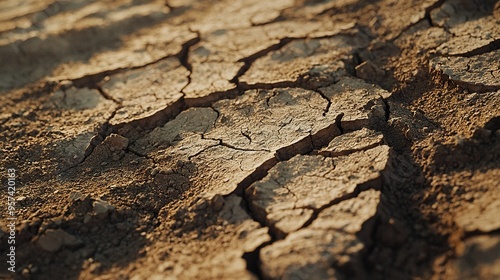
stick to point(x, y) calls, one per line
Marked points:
point(54, 239)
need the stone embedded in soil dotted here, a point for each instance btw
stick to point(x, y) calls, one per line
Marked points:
point(146, 91)
point(369, 71)
point(478, 72)
point(76, 196)
point(299, 57)
point(329, 247)
point(479, 258)
point(217, 202)
point(112, 149)
point(360, 103)
point(351, 142)
point(55, 239)
point(102, 208)
point(288, 196)
point(116, 142)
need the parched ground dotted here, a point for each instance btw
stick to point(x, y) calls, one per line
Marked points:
point(231, 139)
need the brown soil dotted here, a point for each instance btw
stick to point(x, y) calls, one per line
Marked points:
point(254, 139)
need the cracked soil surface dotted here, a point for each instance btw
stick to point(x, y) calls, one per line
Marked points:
point(290, 139)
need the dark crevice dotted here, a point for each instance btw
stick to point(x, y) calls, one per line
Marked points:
point(329, 102)
point(216, 119)
point(370, 244)
point(107, 96)
point(317, 211)
point(102, 133)
point(202, 151)
point(474, 233)
point(247, 136)
point(338, 121)
point(492, 46)
point(169, 6)
point(258, 174)
point(476, 87)
point(356, 60)
point(282, 84)
point(81, 43)
point(159, 118)
point(93, 80)
point(387, 108)
point(247, 61)
point(429, 9)
point(221, 143)
point(183, 55)
point(405, 29)
point(279, 18)
point(252, 258)
point(163, 116)
point(210, 99)
point(493, 124)
point(147, 123)
point(346, 152)
point(279, 235)
point(302, 80)
point(253, 261)
point(304, 146)
point(138, 154)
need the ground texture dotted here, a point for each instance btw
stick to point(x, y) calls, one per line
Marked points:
point(291, 139)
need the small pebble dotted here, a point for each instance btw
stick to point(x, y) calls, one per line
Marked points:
point(155, 171)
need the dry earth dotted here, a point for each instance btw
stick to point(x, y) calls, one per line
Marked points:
point(291, 139)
